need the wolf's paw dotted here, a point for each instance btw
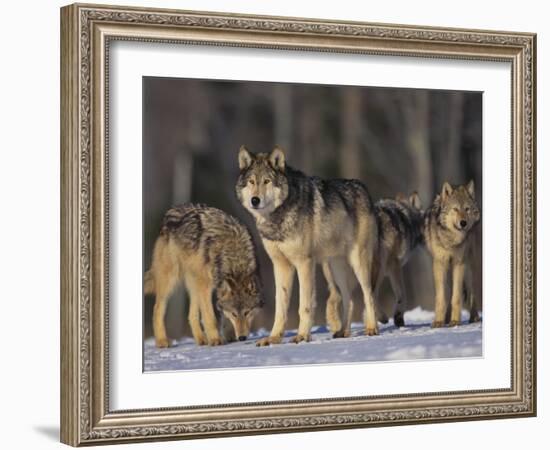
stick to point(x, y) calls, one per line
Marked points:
point(334, 326)
point(398, 320)
point(474, 318)
point(299, 338)
point(201, 340)
point(454, 323)
point(264, 342)
point(342, 334)
point(371, 331)
point(162, 342)
point(382, 318)
point(438, 323)
point(215, 341)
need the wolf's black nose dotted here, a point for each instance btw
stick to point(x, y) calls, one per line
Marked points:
point(255, 201)
point(242, 338)
point(463, 223)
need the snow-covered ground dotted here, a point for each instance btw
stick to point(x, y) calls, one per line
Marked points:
point(415, 341)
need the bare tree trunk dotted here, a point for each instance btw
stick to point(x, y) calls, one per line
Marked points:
point(176, 315)
point(308, 133)
point(453, 163)
point(418, 142)
point(282, 102)
point(417, 127)
point(350, 152)
point(183, 177)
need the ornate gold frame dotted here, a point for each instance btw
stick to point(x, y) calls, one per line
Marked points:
point(86, 31)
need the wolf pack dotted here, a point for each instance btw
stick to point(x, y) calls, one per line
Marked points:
point(305, 222)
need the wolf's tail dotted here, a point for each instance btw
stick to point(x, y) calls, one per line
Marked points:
point(148, 283)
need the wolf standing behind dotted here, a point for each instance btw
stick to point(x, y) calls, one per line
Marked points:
point(400, 232)
point(304, 221)
point(209, 251)
point(448, 227)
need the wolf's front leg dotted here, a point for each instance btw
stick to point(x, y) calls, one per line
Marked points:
point(284, 276)
point(195, 322)
point(440, 268)
point(456, 299)
point(227, 331)
point(306, 278)
point(208, 316)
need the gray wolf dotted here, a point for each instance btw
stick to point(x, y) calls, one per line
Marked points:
point(304, 221)
point(448, 225)
point(210, 252)
point(400, 232)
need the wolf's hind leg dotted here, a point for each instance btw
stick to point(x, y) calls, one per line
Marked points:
point(161, 280)
point(398, 287)
point(469, 296)
point(165, 284)
point(333, 302)
point(339, 269)
point(378, 274)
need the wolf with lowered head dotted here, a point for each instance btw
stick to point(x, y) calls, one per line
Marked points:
point(448, 230)
point(210, 252)
point(304, 221)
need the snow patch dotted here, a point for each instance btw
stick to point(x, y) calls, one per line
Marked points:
point(417, 340)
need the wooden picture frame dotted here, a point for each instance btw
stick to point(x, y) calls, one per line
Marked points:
point(86, 34)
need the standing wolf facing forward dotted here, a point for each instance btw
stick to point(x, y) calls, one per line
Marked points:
point(448, 227)
point(304, 221)
point(400, 231)
point(209, 251)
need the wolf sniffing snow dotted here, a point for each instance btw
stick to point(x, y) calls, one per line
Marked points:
point(209, 251)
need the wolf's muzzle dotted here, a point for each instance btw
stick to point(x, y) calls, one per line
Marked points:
point(242, 338)
point(463, 223)
point(255, 201)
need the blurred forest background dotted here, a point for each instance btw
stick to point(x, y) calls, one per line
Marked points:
point(394, 140)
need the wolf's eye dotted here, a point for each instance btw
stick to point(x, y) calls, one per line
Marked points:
point(251, 181)
point(267, 181)
point(467, 209)
point(234, 314)
point(455, 209)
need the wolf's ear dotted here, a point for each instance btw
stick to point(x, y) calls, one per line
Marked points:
point(277, 159)
point(245, 158)
point(400, 197)
point(224, 290)
point(446, 191)
point(414, 200)
point(471, 189)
